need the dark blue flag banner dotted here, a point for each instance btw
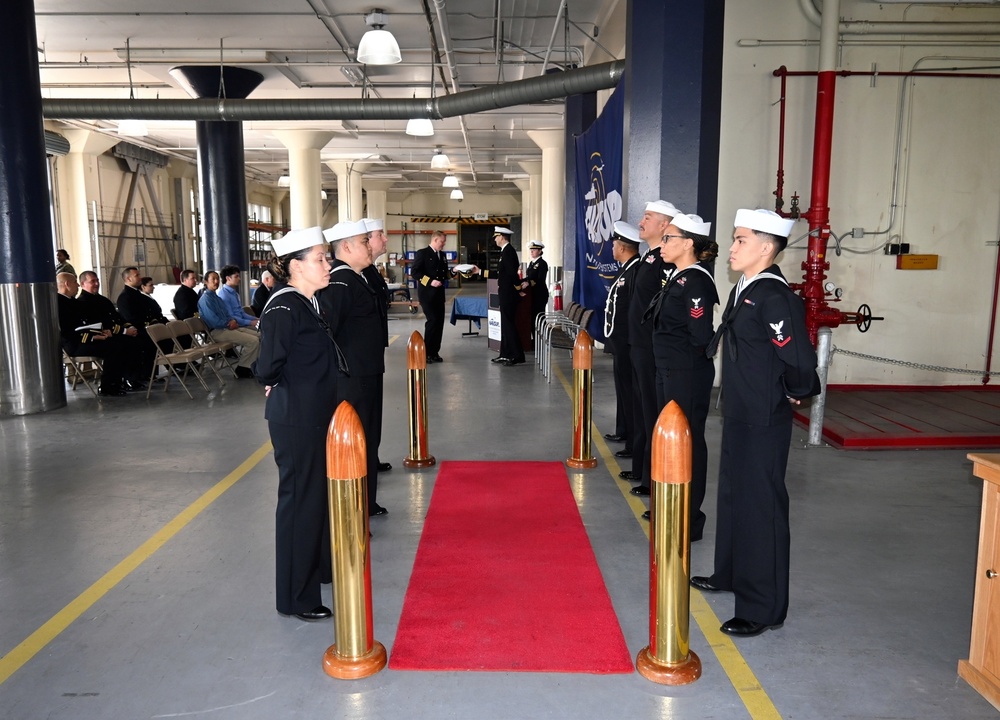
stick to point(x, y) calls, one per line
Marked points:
point(598, 207)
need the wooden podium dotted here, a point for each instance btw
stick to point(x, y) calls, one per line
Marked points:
point(982, 669)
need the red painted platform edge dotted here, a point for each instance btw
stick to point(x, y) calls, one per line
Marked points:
point(902, 442)
point(914, 388)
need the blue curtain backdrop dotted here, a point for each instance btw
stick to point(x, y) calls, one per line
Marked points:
point(598, 206)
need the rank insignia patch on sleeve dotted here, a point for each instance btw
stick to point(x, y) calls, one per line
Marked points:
point(696, 310)
point(779, 339)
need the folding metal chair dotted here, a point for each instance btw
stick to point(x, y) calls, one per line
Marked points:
point(77, 372)
point(158, 333)
point(215, 348)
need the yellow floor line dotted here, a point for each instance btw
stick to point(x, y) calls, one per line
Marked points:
point(754, 697)
point(34, 643)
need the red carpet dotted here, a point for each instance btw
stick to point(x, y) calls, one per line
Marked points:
point(505, 578)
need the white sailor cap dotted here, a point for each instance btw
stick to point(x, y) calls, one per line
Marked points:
point(497, 230)
point(627, 232)
point(295, 240)
point(373, 224)
point(765, 221)
point(692, 224)
point(663, 207)
point(345, 229)
point(536, 244)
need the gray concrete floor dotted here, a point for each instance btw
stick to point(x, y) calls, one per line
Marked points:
point(883, 557)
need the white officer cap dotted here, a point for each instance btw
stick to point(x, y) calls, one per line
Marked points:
point(627, 232)
point(663, 207)
point(295, 240)
point(692, 224)
point(373, 225)
point(536, 244)
point(765, 221)
point(345, 229)
point(497, 230)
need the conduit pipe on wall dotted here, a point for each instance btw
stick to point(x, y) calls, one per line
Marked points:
point(442, 21)
point(520, 92)
point(868, 27)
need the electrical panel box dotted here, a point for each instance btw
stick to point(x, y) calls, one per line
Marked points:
point(916, 262)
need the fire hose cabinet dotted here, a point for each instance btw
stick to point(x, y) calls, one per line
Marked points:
point(982, 669)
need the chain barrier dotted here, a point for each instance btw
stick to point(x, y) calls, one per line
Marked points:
point(918, 366)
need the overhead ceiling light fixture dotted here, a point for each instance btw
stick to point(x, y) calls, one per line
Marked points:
point(450, 181)
point(440, 161)
point(378, 46)
point(420, 127)
point(285, 181)
point(131, 127)
point(457, 195)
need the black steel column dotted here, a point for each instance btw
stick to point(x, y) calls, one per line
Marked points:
point(673, 90)
point(223, 192)
point(221, 173)
point(30, 363)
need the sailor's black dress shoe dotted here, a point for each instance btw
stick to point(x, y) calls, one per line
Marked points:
point(498, 360)
point(508, 363)
point(377, 509)
point(623, 454)
point(744, 628)
point(627, 475)
point(645, 515)
point(614, 438)
point(320, 612)
point(384, 467)
point(703, 583)
point(640, 490)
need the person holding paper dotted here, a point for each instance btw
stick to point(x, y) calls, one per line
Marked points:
point(80, 335)
point(430, 271)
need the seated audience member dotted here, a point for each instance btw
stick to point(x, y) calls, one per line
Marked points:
point(224, 326)
point(78, 339)
point(262, 293)
point(230, 295)
point(141, 311)
point(186, 299)
point(97, 308)
point(146, 285)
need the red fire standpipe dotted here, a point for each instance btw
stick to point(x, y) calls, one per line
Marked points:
point(818, 312)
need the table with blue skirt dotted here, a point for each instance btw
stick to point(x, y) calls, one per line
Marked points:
point(472, 309)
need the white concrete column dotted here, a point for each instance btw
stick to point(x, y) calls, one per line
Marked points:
point(79, 184)
point(349, 201)
point(278, 196)
point(552, 143)
point(376, 194)
point(533, 217)
point(304, 170)
point(524, 185)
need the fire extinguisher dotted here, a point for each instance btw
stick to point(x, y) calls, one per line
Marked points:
point(557, 297)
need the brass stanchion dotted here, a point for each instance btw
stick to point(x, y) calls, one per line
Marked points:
point(416, 362)
point(583, 362)
point(356, 654)
point(669, 660)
